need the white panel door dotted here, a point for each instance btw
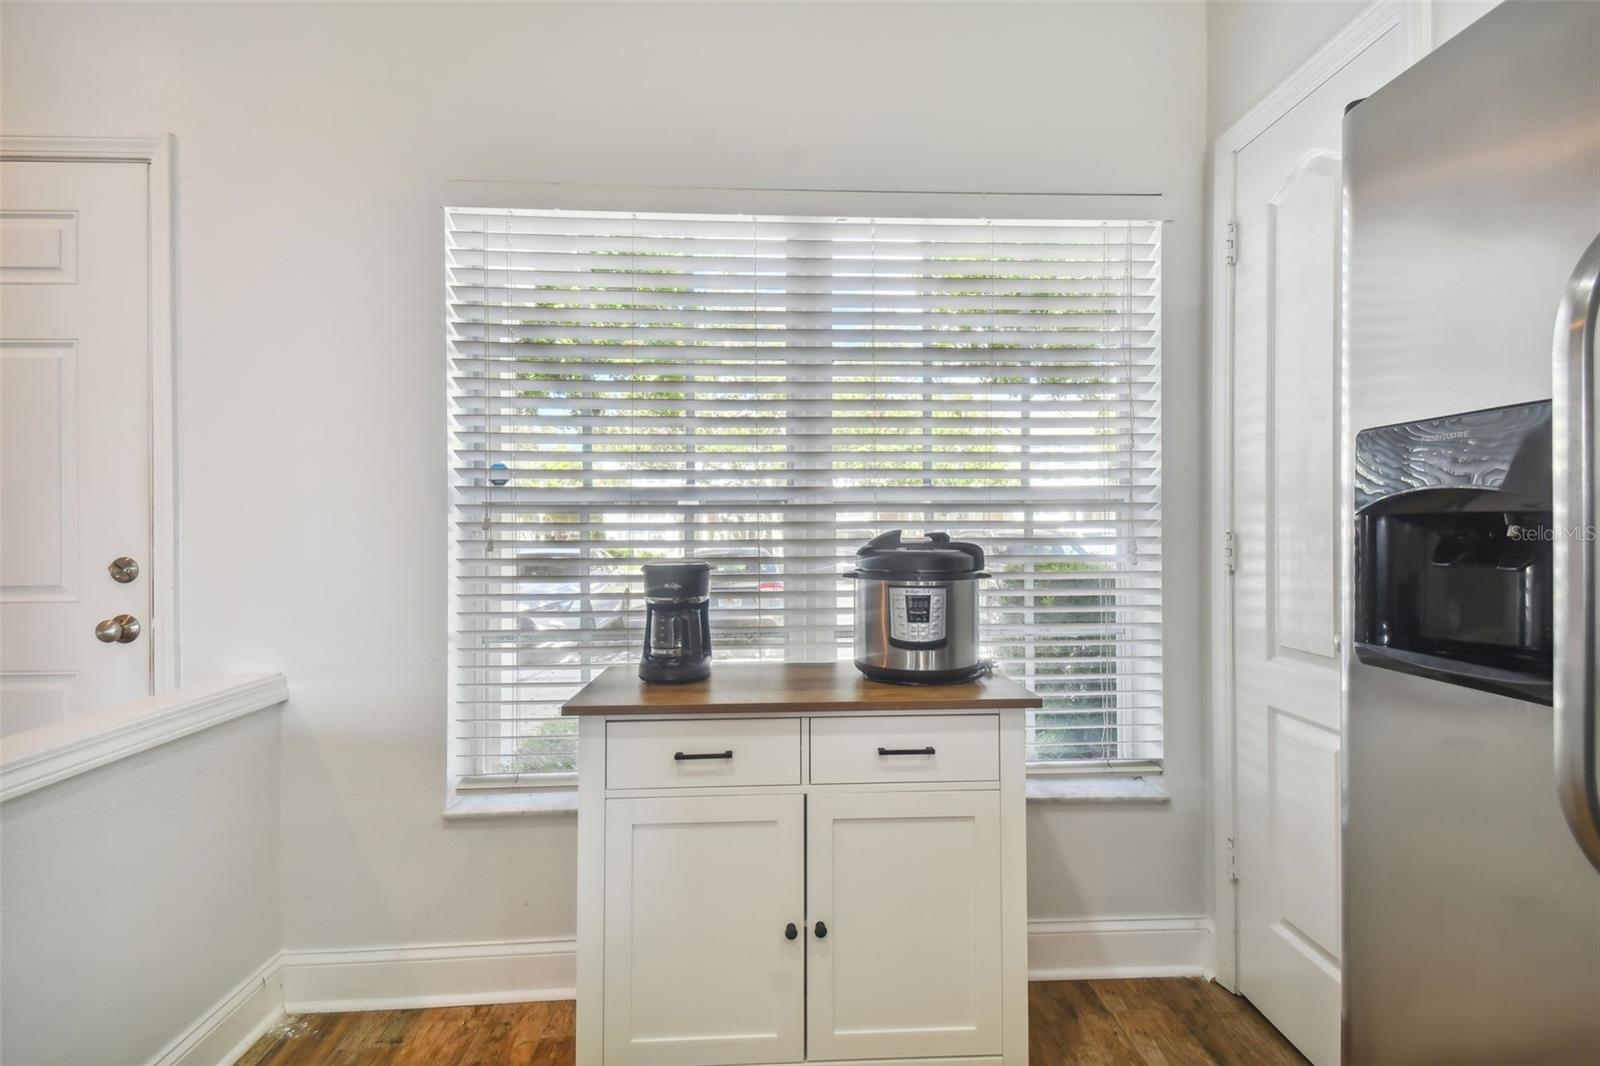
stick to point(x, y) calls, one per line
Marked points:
point(1286, 593)
point(74, 436)
point(700, 894)
point(903, 890)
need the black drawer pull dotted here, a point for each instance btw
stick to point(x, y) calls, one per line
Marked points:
point(906, 751)
point(790, 932)
point(821, 931)
point(685, 756)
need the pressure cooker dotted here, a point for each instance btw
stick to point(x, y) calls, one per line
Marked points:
point(917, 609)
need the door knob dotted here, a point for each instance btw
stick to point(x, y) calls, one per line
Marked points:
point(123, 629)
point(821, 930)
point(790, 932)
point(123, 569)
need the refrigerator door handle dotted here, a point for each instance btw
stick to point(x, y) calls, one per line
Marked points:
point(1574, 470)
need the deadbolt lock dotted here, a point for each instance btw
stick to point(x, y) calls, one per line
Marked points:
point(123, 569)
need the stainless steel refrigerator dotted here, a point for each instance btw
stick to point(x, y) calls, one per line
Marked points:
point(1471, 848)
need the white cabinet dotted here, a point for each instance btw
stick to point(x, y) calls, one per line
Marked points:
point(907, 886)
point(893, 845)
point(699, 894)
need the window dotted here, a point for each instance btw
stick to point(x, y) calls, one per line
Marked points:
point(767, 393)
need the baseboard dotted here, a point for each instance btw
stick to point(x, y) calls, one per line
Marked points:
point(431, 975)
point(437, 975)
point(1120, 947)
point(227, 1030)
point(520, 971)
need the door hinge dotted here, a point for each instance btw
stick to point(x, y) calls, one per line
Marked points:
point(1233, 863)
point(1229, 553)
point(1230, 244)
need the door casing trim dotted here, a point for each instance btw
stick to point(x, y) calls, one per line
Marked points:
point(1414, 21)
point(156, 152)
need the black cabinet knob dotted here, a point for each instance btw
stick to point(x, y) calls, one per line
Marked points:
point(822, 930)
point(790, 932)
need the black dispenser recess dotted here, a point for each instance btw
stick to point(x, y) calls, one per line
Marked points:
point(1453, 562)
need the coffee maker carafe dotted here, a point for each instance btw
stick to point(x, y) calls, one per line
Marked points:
point(677, 622)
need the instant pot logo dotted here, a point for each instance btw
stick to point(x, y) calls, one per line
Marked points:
point(1519, 532)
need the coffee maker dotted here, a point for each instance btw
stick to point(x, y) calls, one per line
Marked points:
point(677, 622)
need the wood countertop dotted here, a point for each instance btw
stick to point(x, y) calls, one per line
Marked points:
point(774, 688)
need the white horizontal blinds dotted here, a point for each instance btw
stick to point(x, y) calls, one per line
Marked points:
point(767, 393)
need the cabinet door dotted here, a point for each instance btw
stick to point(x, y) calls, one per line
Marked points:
point(698, 969)
point(908, 886)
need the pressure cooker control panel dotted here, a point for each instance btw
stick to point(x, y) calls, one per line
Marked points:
point(916, 615)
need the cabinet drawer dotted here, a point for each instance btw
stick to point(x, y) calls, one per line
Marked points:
point(959, 747)
point(703, 751)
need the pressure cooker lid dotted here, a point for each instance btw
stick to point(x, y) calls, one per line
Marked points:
point(936, 556)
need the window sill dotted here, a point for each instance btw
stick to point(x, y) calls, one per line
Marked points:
point(531, 803)
point(1098, 788)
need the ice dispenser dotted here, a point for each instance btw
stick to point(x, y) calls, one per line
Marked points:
point(1453, 534)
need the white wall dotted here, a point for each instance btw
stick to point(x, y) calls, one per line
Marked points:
point(137, 895)
point(313, 144)
point(1252, 45)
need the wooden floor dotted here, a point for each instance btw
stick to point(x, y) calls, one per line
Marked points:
point(1176, 1022)
point(1149, 1022)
